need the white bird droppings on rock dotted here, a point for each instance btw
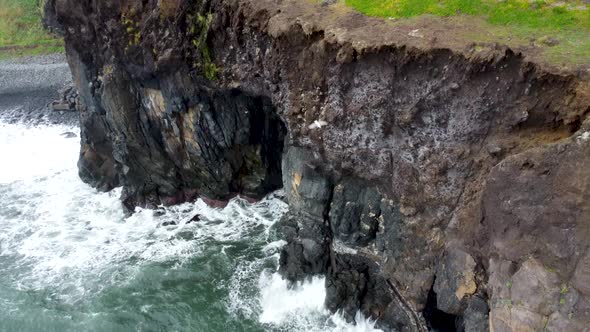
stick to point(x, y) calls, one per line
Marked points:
point(318, 124)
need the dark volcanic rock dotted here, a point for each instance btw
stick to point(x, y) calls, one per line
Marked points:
point(475, 318)
point(455, 281)
point(68, 100)
point(412, 171)
point(355, 212)
point(196, 218)
point(305, 226)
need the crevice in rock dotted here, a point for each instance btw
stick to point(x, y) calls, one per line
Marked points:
point(268, 131)
point(259, 171)
point(418, 323)
point(330, 234)
point(436, 319)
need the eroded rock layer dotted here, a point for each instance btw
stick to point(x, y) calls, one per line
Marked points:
point(434, 185)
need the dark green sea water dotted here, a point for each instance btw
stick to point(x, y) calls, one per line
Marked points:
point(70, 260)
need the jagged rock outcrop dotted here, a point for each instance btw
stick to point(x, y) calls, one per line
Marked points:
point(450, 179)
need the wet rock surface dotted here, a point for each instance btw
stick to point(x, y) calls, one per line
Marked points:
point(305, 228)
point(67, 101)
point(420, 180)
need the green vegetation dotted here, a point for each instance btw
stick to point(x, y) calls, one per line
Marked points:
point(564, 289)
point(21, 31)
point(199, 29)
point(545, 322)
point(508, 303)
point(132, 28)
point(560, 28)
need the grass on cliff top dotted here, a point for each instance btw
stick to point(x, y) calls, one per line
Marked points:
point(21, 30)
point(513, 22)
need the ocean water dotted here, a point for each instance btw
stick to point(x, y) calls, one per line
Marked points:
point(71, 260)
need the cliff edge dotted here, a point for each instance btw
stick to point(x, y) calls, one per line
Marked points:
point(434, 182)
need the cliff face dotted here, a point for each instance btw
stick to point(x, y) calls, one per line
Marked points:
point(434, 184)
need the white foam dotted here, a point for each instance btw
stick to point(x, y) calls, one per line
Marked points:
point(363, 324)
point(301, 307)
point(66, 231)
point(30, 152)
point(281, 303)
point(67, 236)
point(274, 247)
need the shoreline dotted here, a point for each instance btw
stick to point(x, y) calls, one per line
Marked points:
point(29, 84)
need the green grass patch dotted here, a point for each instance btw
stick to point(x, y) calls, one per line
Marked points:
point(21, 30)
point(510, 21)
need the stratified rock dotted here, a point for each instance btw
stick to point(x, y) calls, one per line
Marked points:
point(308, 193)
point(355, 212)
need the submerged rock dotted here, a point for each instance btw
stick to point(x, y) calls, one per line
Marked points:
point(69, 134)
point(195, 218)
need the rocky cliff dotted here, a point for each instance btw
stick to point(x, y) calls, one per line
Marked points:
point(435, 182)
